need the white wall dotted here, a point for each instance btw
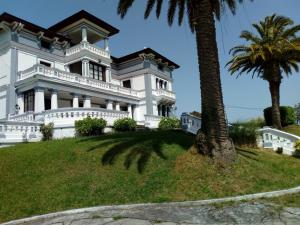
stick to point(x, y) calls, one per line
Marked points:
point(26, 60)
point(5, 61)
point(138, 82)
point(2, 104)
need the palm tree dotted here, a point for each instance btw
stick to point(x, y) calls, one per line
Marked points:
point(273, 50)
point(213, 139)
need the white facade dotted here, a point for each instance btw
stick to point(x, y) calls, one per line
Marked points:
point(274, 139)
point(61, 75)
point(190, 123)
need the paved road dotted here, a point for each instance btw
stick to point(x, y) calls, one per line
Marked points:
point(172, 214)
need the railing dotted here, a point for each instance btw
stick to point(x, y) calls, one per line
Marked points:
point(152, 121)
point(89, 47)
point(15, 132)
point(162, 92)
point(74, 78)
point(70, 115)
point(25, 117)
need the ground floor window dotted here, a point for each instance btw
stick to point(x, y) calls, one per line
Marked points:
point(29, 101)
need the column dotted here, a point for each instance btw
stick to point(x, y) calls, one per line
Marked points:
point(109, 105)
point(118, 106)
point(84, 34)
point(75, 100)
point(157, 84)
point(39, 100)
point(106, 47)
point(129, 110)
point(54, 99)
point(20, 103)
point(87, 102)
point(85, 68)
point(108, 74)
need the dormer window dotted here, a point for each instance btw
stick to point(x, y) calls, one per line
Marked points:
point(97, 71)
point(45, 44)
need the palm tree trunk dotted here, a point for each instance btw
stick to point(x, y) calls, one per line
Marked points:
point(213, 139)
point(275, 90)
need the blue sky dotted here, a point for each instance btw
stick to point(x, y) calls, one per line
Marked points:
point(178, 44)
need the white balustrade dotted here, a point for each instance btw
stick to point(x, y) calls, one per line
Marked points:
point(89, 47)
point(17, 132)
point(74, 78)
point(162, 92)
point(24, 117)
point(67, 116)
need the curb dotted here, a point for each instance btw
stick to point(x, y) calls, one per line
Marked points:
point(270, 194)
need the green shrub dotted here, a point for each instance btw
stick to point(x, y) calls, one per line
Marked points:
point(297, 145)
point(245, 134)
point(125, 124)
point(287, 115)
point(90, 126)
point(167, 123)
point(47, 131)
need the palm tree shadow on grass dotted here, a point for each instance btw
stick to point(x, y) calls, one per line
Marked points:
point(140, 147)
point(247, 154)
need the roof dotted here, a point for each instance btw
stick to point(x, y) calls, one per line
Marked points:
point(30, 26)
point(84, 15)
point(145, 51)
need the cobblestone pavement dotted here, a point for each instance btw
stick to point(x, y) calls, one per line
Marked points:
point(172, 214)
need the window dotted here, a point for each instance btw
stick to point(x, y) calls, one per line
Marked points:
point(160, 67)
point(97, 72)
point(45, 44)
point(127, 83)
point(29, 101)
point(45, 63)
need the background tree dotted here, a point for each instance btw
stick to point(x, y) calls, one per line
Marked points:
point(273, 50)
point(213, 139)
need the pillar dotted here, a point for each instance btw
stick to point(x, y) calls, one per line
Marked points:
point(108, 74)
point(106, 47)
point(109, 105)
point(87, 102)
point(84, 34)
point(54, 99)
point(85, 68)
point(118, 106)
point(39, 100)
point(20, 103)
point(129, 110)
point(75, 100)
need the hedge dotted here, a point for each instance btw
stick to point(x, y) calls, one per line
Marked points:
point(287, 116)
point(90, 126)
point(125, 124)
point(167, 123)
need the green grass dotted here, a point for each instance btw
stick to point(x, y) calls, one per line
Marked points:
point(292, 200)
point(51, 176)
point(293, 129)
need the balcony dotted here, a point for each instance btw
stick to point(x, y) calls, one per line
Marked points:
point(76, 79)
point(164, 94)
point(88, 47)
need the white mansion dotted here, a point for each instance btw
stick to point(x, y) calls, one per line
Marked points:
point(60, 75)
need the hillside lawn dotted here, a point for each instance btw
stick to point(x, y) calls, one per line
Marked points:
point(293, 129)
point(44, 177)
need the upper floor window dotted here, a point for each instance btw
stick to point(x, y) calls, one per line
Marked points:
point(45, 63)
point(127, 83)
point(45, 44)
point(97, 71)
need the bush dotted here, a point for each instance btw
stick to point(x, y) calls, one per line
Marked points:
point(279, 150)
point(287, 116)
point(167, 123)
point(47, 131)
point(125, 124)
point(245, 134)
point(297, 145)
point(90, 126)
